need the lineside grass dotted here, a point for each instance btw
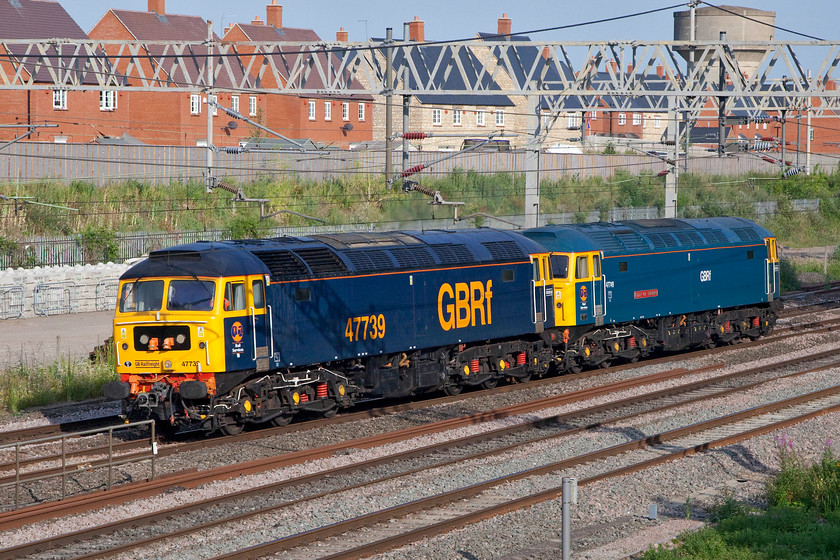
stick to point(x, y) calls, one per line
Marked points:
point(25, 385)
point(801, 522)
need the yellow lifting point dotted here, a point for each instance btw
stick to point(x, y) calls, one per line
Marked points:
point(341, 389)
point(466, 370)
point(296, 397)
point(247, 406)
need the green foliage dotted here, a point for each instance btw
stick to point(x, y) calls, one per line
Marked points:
point(100, 243)
point(802, 522)
point(244, 227)
point(787, 276)
point(609, 149)
point(23, 385)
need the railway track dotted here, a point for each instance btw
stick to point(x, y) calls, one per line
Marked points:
point(124, 449)
point(449, 453)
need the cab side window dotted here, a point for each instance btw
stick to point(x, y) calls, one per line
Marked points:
point(582, 267)
point(596, 266)
point(259, 294)
point(234, 296)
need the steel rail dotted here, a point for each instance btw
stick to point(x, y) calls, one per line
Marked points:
point(81, 535)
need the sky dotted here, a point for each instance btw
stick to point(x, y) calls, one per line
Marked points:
point(459, 19)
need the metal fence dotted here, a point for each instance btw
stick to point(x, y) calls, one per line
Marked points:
point(98, 164)
point(54, 298)
point(106, 295)
point(12, 302)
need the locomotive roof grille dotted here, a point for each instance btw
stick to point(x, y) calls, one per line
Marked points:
point(713, 236)
point(453, 254)
point(282, 264)
point(662, 240)
point(747, 234)
point(371, 259)
point(413, 257)
point(322, 260)
point(168, 254)
point(504, 250)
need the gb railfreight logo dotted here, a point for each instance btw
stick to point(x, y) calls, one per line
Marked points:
point(465, 304)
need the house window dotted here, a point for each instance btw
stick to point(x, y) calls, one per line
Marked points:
point(572, 121)
point(456, 117)
point(657, 121)
point(345, 111)
point(252, 105)
point(500, 117)
point(195, 104)
point(593, 115)
point(60, 99)
point(311, 110)
point(361, 111)
point(107, 100)
point(479, 118)
point(327, 110)
point(637, 119)
point(622, 119)
point(436, 117)
point(234, 103)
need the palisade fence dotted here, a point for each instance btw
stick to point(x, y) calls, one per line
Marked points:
point(103, 164)
point(69, 250)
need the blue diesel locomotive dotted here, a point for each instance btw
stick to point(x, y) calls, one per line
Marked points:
point(214, 335)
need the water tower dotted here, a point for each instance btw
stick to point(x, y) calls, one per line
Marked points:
point(739, 23)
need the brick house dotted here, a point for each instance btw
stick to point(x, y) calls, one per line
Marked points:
point(337, 121)
point(461, 115)
point(81, 116)
point(165, 117)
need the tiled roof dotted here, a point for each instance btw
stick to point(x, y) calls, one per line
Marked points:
point(37, 19)
point(149, 26)
point(258, 33)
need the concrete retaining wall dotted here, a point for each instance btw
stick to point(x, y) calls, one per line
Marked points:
point(53, 290)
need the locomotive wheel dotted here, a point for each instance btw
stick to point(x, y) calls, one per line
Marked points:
point(491, 383)
point(453, 390)
point(605, 364)
point(281, 420)
point(330, 412)
point(231, 427)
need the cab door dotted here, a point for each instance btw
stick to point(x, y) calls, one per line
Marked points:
point(599, 304)
point(260, 324)
point(538, 286)
point(240, 343)
point(771, 270)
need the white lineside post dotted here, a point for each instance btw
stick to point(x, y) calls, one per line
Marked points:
point(532, 164)
point(808, 132)
point(673, 169)
point(569, 497)
point(389, 103)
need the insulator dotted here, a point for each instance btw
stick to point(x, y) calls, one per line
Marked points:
point(424, 190)
point(663, 173)
point(521, 358)
point(769, 159)
point(321, 391)
point(233, 149)
point(792, 171)
point(415, 135)
point(413, 170)
point(227, 187)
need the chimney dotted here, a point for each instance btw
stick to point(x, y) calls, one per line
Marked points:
point(629, 68)
point(274, 15)
point(546, 53)
point(614, 65)
point(416, 30)
point(660, 70)
point(256, 21)
point(157, 6)
point(341, 35)
point(227, 28)
point(504, 25)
